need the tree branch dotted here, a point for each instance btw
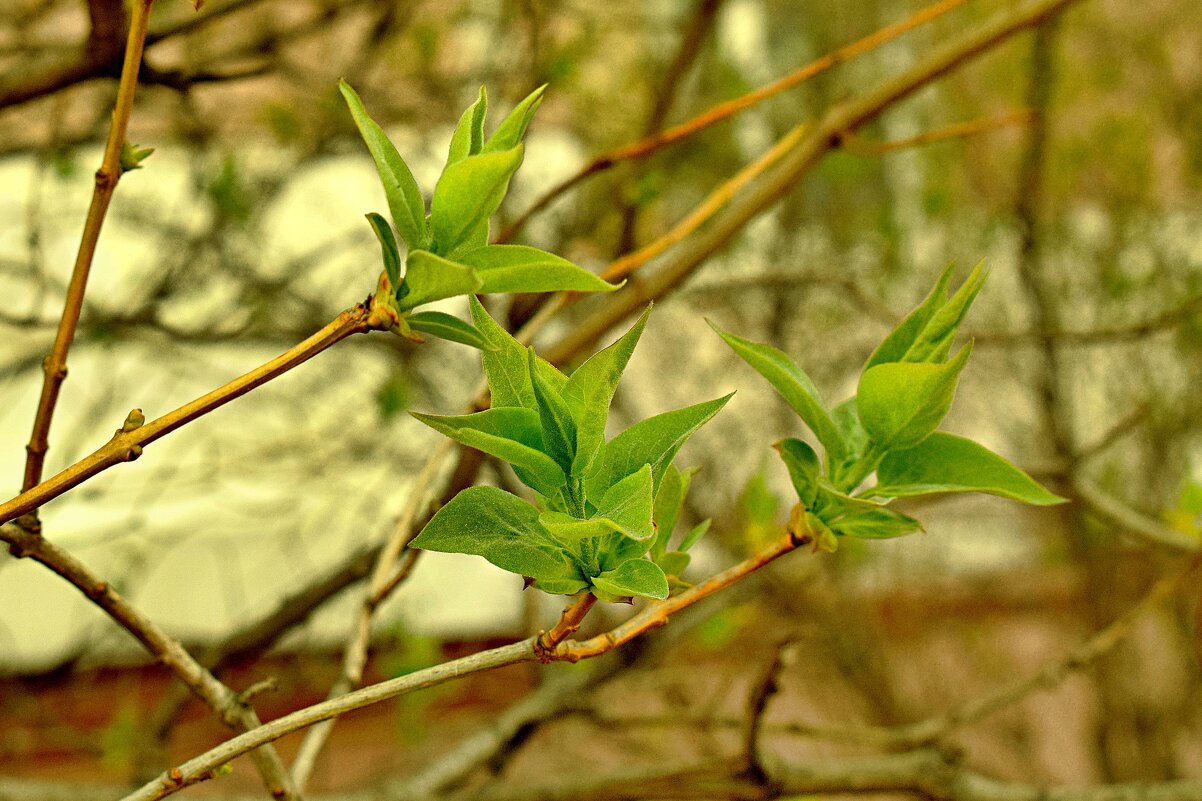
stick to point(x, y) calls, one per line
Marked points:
point(127, 443)
point(645, 147)
point(104, 28)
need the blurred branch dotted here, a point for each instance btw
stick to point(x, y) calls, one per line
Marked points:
point(824, 136)
point(861, 146)
point(927, 773)
point(385, 578)
point(701, 22)
point(224, 701)
point(645, 147)
point(1134, 522)
point(1127, 332)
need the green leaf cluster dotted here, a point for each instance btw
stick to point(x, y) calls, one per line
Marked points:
point(446, 252)
point(889, 427)
point(606, 509)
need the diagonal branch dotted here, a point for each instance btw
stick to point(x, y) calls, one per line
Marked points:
point(530, 649)
point(823, 137)
point(645, 147)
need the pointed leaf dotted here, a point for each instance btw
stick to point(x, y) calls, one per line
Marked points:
point(654, 441)
point(388, 247)
point(449, 327)
point(431, 278)
point(629, 503)
point(504, 529)
point(894, 346)
point(804, 469)
point(673, 563)
point(509, 433)
point(847, 420)
point(517, 268)
point(512, 129)
point(935, 340)
point(900, 404)
point(506, 366)
point(875, 524)
point(634, 577)
point(948, 463)
point(589, 391)
point(559, 429)
point(468, 193)
point(695, 533)
point(405, 200)
point(468, 138)
point(571, 530)
point(793, 384)
point(669, 498)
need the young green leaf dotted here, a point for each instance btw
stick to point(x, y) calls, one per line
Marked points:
point(512, 129)
point(468, 193)
point(847, 420)
point(874, 523)
point(506, 365)
point(589, 391)
point(695, 533)
point(669, 498)
point(934, 342)
point(388, 247)
point(900, 403)
point(431, 278)
point(673, 563)
point(559, 429)
point(449, 327)
point(793, 384)
point(804, 469)
point(517, 268)
point(504, 529)
point(405, 200)
point(654, 441)
point(570, 530)
point(633, 577)
point(894, 346)
point(509, 433)
point(468, 138)
point(948, 463)
point(629, 504)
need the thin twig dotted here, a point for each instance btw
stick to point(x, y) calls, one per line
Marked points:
point(822, 137)
point(757, 703)
point(224, 701)
point(860, 146)
point(55, 366)
point(384, 579)
point(202, 767)
point(645, 147)
point(127, 443)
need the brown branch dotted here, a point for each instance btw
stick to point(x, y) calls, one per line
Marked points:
point(55, 366)
point(569, 623)
point(202, 767)
point(823, 137)
point(127, 443)
point(225, 702)
point(860, 146)
point(645, 147)
point(714, 202)
point(757, 703)
point(385, 578)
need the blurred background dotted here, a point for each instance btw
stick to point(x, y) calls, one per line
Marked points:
point(1068, 157)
